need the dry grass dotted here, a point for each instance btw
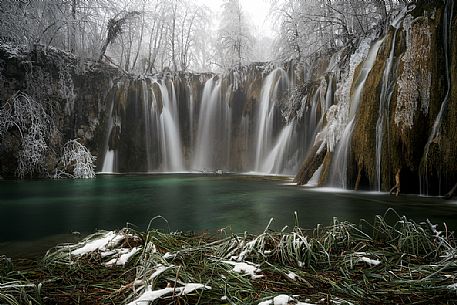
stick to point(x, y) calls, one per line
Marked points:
point(379, 262)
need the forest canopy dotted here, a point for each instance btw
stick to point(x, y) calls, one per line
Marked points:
point(146, 36)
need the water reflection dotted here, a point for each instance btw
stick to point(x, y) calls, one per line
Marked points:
point(37, 209)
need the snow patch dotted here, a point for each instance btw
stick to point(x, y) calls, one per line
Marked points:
point(292, 276)
point(150, 295)
point(369, 261)
point(168, 255)
point(282, 299)
point(125, 255)
point(160, 269)
point(100, 244)
point(245, 268)
point(106, 246)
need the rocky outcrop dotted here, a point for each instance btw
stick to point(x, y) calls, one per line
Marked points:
point(406, 141)
point(72, 92)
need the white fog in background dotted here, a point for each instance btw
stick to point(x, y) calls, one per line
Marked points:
point(258, 14)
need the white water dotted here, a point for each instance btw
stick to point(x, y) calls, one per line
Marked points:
point(214, 117)
point(314, 181)
point(147, 124)
point(108, 163)
point(172, 158)
point(340, 159)
point(266, 115)
point(329, 94)
point(259, 141)
point(384, 105)
point(273, 162)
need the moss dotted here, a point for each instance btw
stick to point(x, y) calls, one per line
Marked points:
point(364, 136)
point(403, 148)
point(326, 165)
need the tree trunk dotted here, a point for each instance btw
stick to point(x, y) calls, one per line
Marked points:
point(173, 34)
point(140, 40)
point(73, 27)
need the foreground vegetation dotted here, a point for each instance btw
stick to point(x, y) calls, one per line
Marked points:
point(391, 260)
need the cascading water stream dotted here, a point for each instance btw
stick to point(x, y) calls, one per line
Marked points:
point(384, 105)
point(266, 116)
point(214, 113)
point(447, 36)
point(273, 162)
point(329, 94)
point(340, 158)
point(147, 123)
point(152, 140)
point(172, 158)
point(110, 155)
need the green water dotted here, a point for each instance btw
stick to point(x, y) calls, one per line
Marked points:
point(32, 210)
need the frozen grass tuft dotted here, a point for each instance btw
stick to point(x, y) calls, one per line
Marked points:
point(389, 261)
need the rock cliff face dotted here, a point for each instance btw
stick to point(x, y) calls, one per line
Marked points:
point(406, 113)
point(71, 91)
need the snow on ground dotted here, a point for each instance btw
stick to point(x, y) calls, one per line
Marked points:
point(160, 269)
point(125, 255)
point(150, 295)
point(168, 255)
point(364, 257)
point(106, 246)
point(245, 268)
point(369, 261)
point(282, 299)
point(292, 276)
point(100, 244)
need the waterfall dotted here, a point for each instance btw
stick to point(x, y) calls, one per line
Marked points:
point(276, 80)
point(169, 128)
point(273, 163)
point(110, 154)
point(191, 114)
point(447, 36)
point(384, 105)
point(108, 163)
point(340, 159)
point(329, 95)
point(147, 124)
point(213, 115)
point(172, 158)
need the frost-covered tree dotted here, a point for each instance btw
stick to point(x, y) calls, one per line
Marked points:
point(234, 36)
point(76, 162)
point(308, 27)
point(28, 118)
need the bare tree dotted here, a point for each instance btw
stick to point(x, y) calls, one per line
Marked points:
point(115, 28)
point(235, 39)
